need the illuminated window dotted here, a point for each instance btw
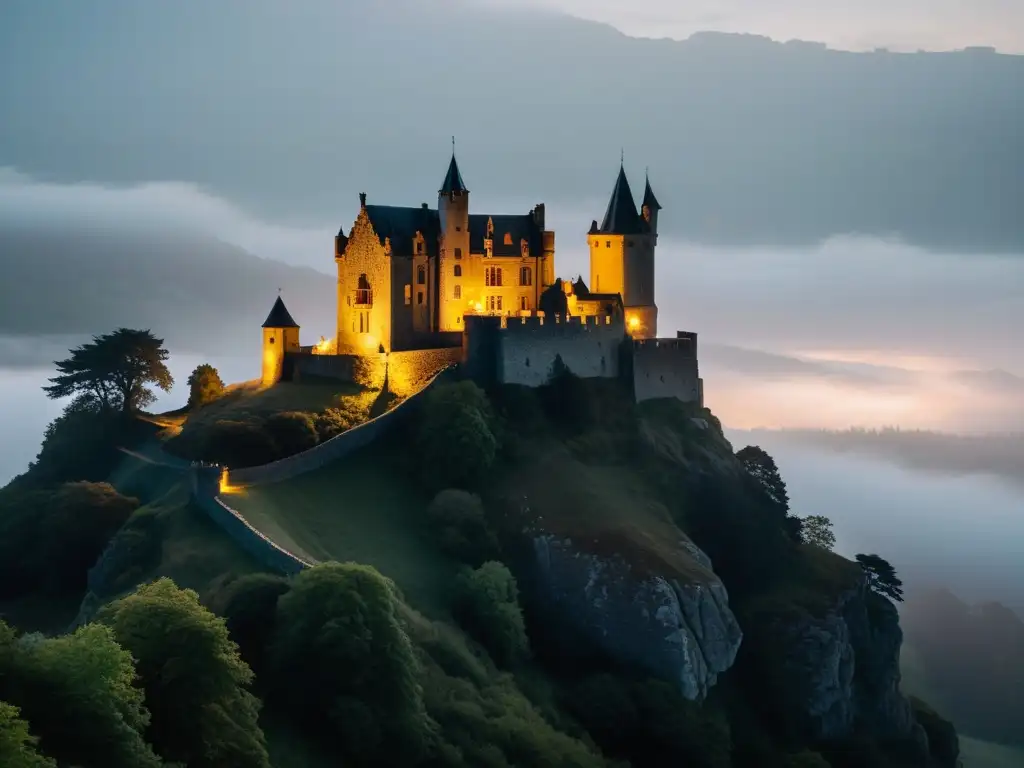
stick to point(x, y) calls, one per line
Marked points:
point(493, 303)
point(458, 270)
point(458, 291)
point(363, 293)
point(419, 297)
point(522, 302)
point(492, 276)
point(525, 276)
point(458, 253)
point(408, 295)
point(508, 238)
point(607, 243)
point(421, 275)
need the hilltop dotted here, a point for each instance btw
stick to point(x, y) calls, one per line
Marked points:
point(655, 606)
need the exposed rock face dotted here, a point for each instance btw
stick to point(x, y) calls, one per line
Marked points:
point(841, 672)
point(685, 633)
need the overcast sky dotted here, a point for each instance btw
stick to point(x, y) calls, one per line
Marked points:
point(847, 24)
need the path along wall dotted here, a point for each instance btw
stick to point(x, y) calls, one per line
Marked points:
point(337, 447)
point(407, 372)
point(205, 486)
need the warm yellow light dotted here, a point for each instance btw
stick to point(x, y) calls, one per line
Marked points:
point(634, 322)
point(371, 342)
point(225, 486)
point(478, 306)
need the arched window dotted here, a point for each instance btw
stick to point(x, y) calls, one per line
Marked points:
point(421, 275)
point(363, 293)
point(525, 276)
point(458, 270)
point(458, 291)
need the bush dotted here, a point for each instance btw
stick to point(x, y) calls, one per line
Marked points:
point(459, 524)
point(346, 667)
point(292, 431)
point(17, 745)
point(487, 603)
point(331, 422)
point(456, 435)
point(50, 539)
point(204, 386)
point(238, 444)
point(249, 607)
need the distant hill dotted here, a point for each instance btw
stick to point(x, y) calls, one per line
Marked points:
point(200, 294)
point(291, 109)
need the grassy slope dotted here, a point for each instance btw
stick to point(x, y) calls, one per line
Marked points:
point(985, 754)
point(359, 510)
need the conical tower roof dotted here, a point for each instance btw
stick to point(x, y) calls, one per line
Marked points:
point(649, 199)
point(621, 218)
point(452, 180)
point(279, 316)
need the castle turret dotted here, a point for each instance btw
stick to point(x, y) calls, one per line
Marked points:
point(622, 256)
point(280, 335)
point(453, 212)
point(649, 208)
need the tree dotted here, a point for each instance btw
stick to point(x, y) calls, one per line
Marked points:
point(817, 530)
point(488, 603)
point(194, 679)
point(17, 745)
point(249, 608)
point(292, 431)
point(77, 692)
point(204, 386)
point(457, 435)
point(346, 665)
point(881, 577)
point(761, 467)
point(114, 370)
point(459, 523)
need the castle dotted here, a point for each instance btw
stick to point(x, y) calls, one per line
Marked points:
point(484, 287)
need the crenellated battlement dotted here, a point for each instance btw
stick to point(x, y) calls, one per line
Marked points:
point(667, 368)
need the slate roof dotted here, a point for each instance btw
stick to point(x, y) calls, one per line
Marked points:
point(401, 225)
point(452, 180)
point(279, 317)
point(649, 199)
point(519, 227)
point(621, 218)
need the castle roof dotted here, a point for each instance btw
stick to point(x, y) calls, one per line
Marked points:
point(279, 317)
point(621, 218)
point(400, 225)
point(649, 199)
point(452, 180)
point(518, 228)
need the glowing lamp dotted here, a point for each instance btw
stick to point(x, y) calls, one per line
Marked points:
point(634, 322)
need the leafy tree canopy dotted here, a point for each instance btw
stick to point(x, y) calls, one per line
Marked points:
point(882, 577)
point(457, 435)
point(488, 600)
point(762, 467)
point(204, 385)
point(17, 745)
point(817, 530)
point(193, 677)
point(77, 694)
point(339, 626)
point(114, 370)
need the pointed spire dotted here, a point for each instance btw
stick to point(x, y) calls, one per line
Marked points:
point(621, 217)
point(279, 316)
point(453, 179)
point(649, 199)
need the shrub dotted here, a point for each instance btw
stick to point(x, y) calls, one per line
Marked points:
point(249, 607)
point(331, 422)
point(487, 603)
point(459, 524)
point(50, 539)
point(17, 745)
point(292, 431)
point(204, 386)
point(238, 444)
point(346, 666)
point(456, 435)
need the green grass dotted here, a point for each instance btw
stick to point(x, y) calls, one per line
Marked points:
point(359, 510)
point(986, 754)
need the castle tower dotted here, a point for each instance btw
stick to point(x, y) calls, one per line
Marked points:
point(453, 212)
point(622, 256)
point(280, 335)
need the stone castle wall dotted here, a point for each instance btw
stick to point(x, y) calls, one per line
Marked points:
point(407, 371)
point(337, 447)
point(205, 486)
point(525, 349)
point(667, 368)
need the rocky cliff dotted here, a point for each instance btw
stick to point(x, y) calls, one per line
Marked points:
point(682, 632)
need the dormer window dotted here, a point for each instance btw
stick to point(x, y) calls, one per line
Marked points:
point(488, 248)
point(524, 248)
point(508, 238)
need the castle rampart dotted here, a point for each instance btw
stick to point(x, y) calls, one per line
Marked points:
point(667, 368)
